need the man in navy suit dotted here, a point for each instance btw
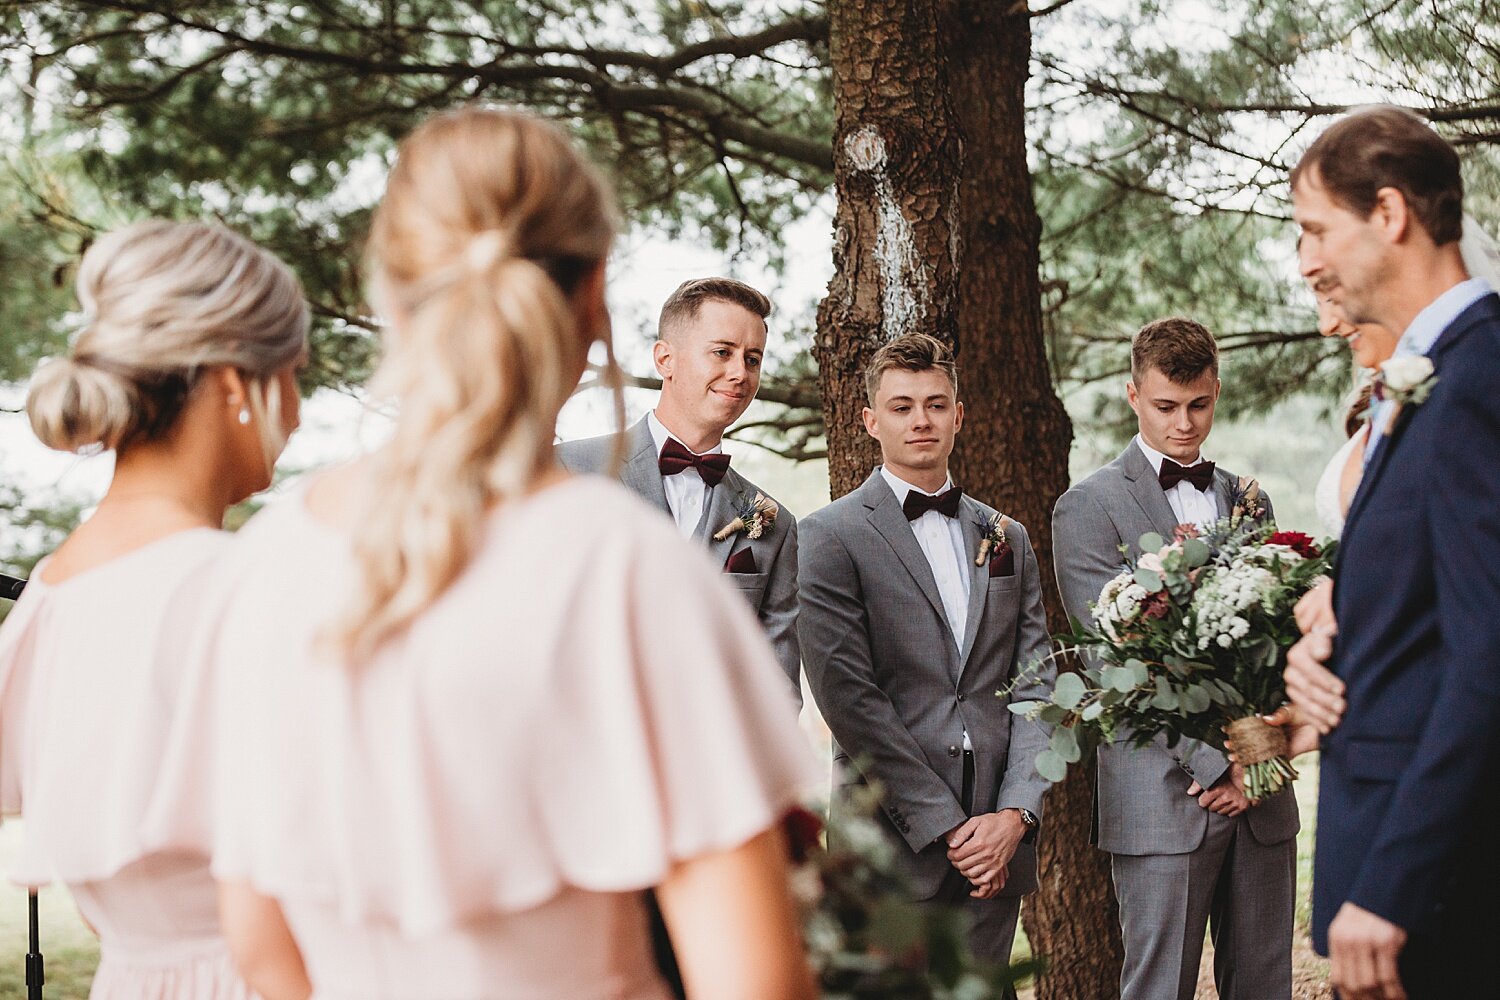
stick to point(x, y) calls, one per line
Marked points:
point(1405, 875)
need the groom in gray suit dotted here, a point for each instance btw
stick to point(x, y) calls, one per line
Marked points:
point(1187, 848)
point(711, 342)
point(908, 632)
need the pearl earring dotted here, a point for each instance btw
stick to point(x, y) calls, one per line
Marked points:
point(244, 416)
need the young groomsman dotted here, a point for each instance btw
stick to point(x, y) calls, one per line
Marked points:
point(711, 342)
point(908, 633)
point(1187, 848)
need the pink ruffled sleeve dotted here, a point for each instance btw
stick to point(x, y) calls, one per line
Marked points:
point(676, 735)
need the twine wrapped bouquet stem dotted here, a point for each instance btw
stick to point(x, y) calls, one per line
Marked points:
point(1261, 750)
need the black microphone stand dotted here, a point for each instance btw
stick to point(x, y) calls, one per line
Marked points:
point(10, 589)
point(35, 968)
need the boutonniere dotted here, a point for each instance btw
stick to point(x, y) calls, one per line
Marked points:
point(1247, 501)
point(752, 516)
point(993, 544)
point(1407, 379)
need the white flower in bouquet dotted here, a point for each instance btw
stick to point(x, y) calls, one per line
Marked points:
point(1128, 604)
point(1153, 562)
point(1221, 601)
point(1119, 604)
point(1266, 555)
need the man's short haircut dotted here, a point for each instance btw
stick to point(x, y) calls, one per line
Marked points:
point(683, 304)
point(915, 352)
point(1388, 147)
point(1181, 349)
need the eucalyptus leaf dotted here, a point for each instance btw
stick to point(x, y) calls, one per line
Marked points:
point(1166, 698)
point(1094, 710)
point(1195, 698)
point(1065, 744)
point(1196, 552)
point(1149, 579)
point(1051, 766)
point(1068, 691)
point(1024, 707)
point(1151, 541)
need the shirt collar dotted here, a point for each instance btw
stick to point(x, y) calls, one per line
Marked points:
point(1440, 313)
point(901, 487)
point(659, 435)
point(1156, 458)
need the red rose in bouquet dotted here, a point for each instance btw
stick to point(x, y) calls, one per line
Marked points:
point(1299, 543)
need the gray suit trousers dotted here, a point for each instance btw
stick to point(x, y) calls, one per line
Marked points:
point(1232, 885)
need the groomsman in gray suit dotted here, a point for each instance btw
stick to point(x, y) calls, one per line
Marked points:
point(1188, 850)
point(909, 633)
point(711, 342)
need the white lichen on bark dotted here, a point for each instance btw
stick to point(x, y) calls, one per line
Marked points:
point(903, 279)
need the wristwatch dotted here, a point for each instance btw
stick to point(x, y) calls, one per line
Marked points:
point(1029, 818)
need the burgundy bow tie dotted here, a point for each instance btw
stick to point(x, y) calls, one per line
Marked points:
point(676, 458)
point(1200, 475)
point(916, 504)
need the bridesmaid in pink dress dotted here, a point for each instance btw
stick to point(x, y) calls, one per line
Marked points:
point(185, 369)
point(468, 709)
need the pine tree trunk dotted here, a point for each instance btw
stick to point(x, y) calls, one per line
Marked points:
point(1013, 450)
point(937, 231)
point(896, 171)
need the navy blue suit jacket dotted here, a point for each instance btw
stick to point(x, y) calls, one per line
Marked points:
point(1408, 826)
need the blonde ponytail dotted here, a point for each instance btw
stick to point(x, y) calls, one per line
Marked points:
point(478, 269)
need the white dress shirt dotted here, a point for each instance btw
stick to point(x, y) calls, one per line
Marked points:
point(941, 539)
point(1426, 327)
point(1189, 504)
point(687, 493)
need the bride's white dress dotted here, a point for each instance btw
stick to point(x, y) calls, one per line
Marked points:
point(1328, 497)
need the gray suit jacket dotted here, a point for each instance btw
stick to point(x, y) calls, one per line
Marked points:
point(1142, 795)
point(771, 589)
point(898, 692)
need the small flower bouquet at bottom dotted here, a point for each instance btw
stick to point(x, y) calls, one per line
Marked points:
point(867, 939)
point(1189, 641)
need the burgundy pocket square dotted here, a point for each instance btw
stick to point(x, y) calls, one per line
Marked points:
point(742, 561)
point(1003, 563)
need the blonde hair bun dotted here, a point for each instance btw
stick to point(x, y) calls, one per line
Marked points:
point(163, 301)
point(76, 407)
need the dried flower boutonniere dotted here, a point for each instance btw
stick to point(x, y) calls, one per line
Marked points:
point(753, 517)
point(1247, 501)
point(993, 544)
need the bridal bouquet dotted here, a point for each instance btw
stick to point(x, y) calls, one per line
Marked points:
point(1189, 641)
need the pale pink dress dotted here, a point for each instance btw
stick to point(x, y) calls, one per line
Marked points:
point(473, 814)
point(95, 673)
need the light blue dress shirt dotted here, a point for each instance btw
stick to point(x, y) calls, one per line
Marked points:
point(1419, 337)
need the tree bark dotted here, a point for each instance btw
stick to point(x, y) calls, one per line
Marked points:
point(896, 170)
point(1013, 450)
point(936, 231)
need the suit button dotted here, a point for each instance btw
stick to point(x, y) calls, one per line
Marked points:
point(963, 697)
point(953, 751)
